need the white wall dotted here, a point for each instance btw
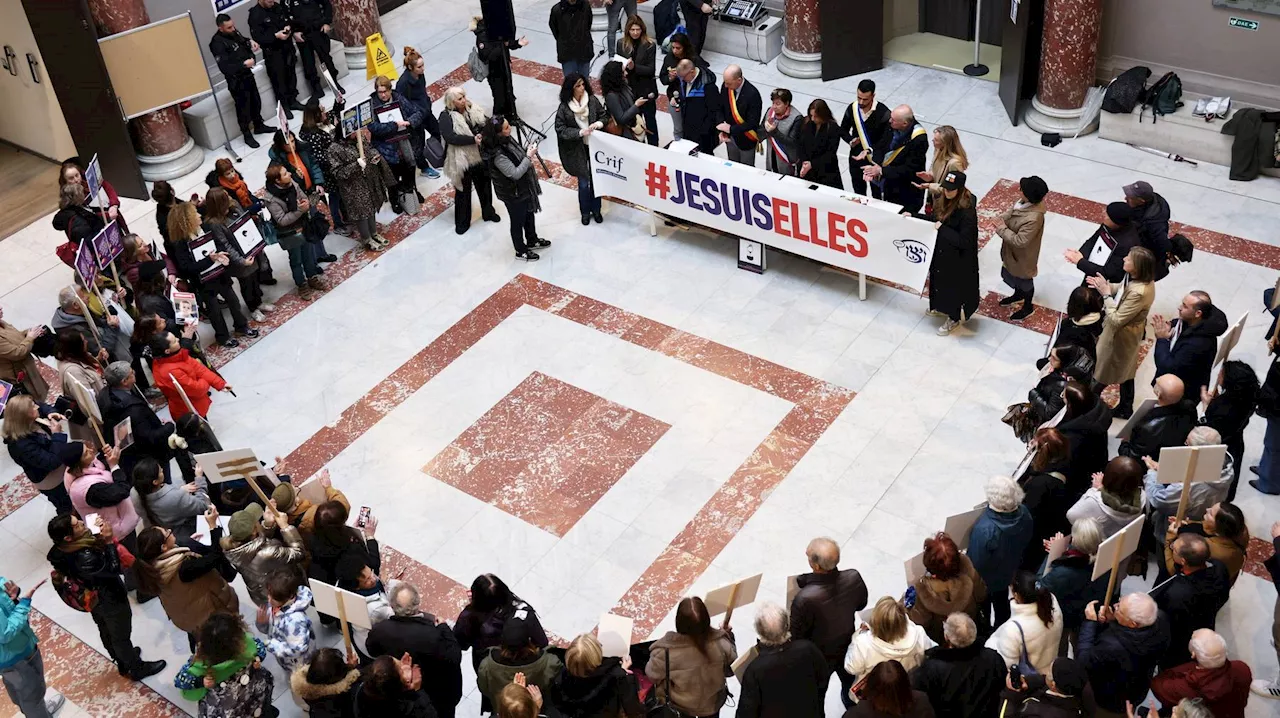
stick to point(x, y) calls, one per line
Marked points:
point(30, 115)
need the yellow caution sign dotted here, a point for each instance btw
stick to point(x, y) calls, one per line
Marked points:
point(377, 60)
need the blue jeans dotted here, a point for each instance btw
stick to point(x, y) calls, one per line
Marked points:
point(302, 262)
point(588, 202)
point(1268, 480)
point(582, 67)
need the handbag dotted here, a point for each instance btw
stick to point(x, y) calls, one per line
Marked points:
point(433, 152)
point(317, 226)
point(613, 128)
point(1024, 660)
point(126, 557)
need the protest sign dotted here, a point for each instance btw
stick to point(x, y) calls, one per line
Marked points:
point(6, 390)
point(185, 307)
point(1187, 465)
point(959, 527)
point(1115, 549)
point(1138, 414)
point(247, 236)
point(92, 179)
point(1229, 340)
point(203, 247)
point(87, 266)
point(108, 245)
point(726, 598)
point(614, 634)
point(123, 434)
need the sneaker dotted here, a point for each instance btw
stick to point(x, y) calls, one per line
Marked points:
point(947, 327)
point(53, 701)
point(1266, 689)
point(266, 307)
point(258, 316)
point(1023, 313)
point(374, 246)
point(328, 258)
point(251, 333)
point(316, 283)
point(304, 293)
point(528, 256)
point(432, 173)
point(147, 669)
point(539, 243)
point(229, 343)
point(934, 313)
point(249, 141)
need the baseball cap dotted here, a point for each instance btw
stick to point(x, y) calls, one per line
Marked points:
point(1140, 189)
point(954, 179)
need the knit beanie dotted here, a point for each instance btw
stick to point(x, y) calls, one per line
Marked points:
point(1120, 213)
point(1034, 189)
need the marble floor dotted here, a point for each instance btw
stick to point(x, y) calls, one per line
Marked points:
point(633, 419)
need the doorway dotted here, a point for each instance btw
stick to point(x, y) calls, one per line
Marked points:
point(29, 184)
point(939, 33)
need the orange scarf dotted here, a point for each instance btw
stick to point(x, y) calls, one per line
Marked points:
point(296, 160)
point(237, 188)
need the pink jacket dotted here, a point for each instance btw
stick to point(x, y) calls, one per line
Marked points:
point(122, 517)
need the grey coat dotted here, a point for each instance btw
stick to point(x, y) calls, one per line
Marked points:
point(261, 556)
point(171, 507)
point(573, 146)
point(289, 225)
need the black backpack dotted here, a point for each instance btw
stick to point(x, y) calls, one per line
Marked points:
point(1164, 97)
point(1124, 92)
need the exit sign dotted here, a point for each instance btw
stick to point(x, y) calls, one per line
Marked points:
point(1244, 24)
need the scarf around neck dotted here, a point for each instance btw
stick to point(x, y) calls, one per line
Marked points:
point(168, 562)
point(581, 110)
point(288, 195)
point(238, 188)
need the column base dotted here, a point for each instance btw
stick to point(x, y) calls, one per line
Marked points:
point(800, 64)
point(1042, 119)
point(183, 161)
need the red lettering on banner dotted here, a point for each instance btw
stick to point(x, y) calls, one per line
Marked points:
point(795, 221)
point(857, 232)
point(780, 218)
point(835, 230)
point(814, 227)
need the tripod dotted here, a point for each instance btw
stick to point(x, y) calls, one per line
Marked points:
point(523, 131)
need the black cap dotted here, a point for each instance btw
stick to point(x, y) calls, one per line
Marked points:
point(1034, 189)
point(954, 179)
point(1069, 677)
point(1120, 213)
point(515, 634)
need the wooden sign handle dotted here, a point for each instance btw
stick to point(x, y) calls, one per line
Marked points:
point(102, 443)
point(266, 500)
point(1186, 486)
point(360, 141)
point(1111, 582)
point(342, 619)
point(733, 598)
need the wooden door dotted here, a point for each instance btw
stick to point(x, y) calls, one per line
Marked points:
point(1020, 55)
point(952, 18)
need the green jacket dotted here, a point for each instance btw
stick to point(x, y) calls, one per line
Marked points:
point(492, 676)
point(191, 678)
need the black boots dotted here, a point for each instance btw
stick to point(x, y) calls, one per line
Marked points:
point(1027, 306)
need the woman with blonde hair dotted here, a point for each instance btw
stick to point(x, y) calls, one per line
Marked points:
point(594, 686)
point(32, 434)
point(461, 123)
point(1124, 323)
point(184, 226)
point(948, 156)
point(891, 636)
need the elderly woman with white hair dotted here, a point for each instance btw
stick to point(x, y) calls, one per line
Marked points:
point(1162, 499)
point(998, 540)
point(1070, 577)
point(1222, 684)
point(460, 124)
point(789, 676)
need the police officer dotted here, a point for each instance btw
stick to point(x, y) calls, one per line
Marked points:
point(271, 26)
point(311, 21)
point(235, 59)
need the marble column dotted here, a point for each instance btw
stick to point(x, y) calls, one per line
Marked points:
point(802, 42)
point(1068, 65)
point(599, 17)
point(353, 21)
point(160, 138)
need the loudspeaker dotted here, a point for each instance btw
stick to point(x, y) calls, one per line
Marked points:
point(499, 19)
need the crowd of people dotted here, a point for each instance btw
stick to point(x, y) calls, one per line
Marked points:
point(994, 629)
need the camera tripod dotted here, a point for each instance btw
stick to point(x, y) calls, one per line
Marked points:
point(525, 133)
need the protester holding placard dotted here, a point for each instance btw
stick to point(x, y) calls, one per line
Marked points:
point(1187, 345)
point(1223, 525)
point(364, 184)
point(950, 585)
point(320, 129)
point(1115, 498)
point(177, 372)
point(962, 677)
point(308, 176)
point(593, 685)
point(890, 636)
point(72, 173)
point(688, 665)
point(290, 210)
point(73, 218)
point(77, 365)
point(391, 130)
point(1166, 424)
point(219, 213)
point(202, 276)
point(461, 123)
point(332, 542)
point(1070, 577)
point(18, 365)
point(1163, 499)
point(191, 578)
point(1228, 406)
point(1124, 323)
point(255, 552)
point(225, 175)
point(1104, 252)
point(32, 435)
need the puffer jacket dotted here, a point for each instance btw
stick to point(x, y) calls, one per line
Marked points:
point(1040, 641)
point(697, 680)
point(866, 651)
point(326, 700)
point(1112, 512)
point(997, 543)
point(290, 637)
point(938, 598)
point(41, 454)
point(261, 556)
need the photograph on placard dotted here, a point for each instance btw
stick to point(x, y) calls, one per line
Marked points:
point(6, 390)
point(107, 245)
point(92, 179)
point(185, 307)
point(350, 121)
point(122, 434)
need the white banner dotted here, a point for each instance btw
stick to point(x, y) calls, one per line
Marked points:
point(823, 224)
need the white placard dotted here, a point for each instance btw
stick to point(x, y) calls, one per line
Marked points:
point(1124, 542)
point(744, 660)
point(1138, 414)
point(915, 568)
point(84, 399)
point(718, 600)
point(1229, 340)
point(234, 464)
point(959, 527)
point(1176, 460)
point(826, 225)
point(614, 634)
point(327, 597)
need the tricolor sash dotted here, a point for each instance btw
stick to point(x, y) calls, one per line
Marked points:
point(773, 142)
point(737, 116)
point(860, 125)
point(889, 158)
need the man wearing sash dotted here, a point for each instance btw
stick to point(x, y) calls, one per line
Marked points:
point(740, 132)
point(898, 158)
point(1104, 252)
point(865, 124)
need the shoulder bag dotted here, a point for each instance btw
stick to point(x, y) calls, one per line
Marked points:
point(1024, 660)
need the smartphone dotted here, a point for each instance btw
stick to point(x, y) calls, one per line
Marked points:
point(1015, 677)
point(363, 517)
point(91, 522)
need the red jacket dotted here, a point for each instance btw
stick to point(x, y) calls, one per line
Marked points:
point(1225, 690)
point(195, 379)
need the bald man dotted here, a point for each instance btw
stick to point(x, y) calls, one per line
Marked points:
point(824, 609)
point(897, 159)
point(1167, 424)
point(1192, 599)
point(740, 107)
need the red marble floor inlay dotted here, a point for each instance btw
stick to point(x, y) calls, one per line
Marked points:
point(546, 452)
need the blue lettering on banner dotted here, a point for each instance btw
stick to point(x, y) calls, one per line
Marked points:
point(709, 187)
point(706, 194)
point(220, 6)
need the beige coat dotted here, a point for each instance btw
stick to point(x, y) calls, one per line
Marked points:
point(939, 169)
point(1020, 236)
point(92, 381)
point(1123, 327)
point(696, 679)
point(15, 357)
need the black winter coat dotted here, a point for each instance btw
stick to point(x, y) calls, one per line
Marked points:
point(78, 222)
point(643, 75)
point(1038, 702)
point(264, 23)
point(953, 269)
point(961, 682)
point(608, 692)
point(432, 646)
point(1162, 426)
point(97, 567)
point(406, 704)
point(570, 24)
point(1229, 414)
point(820, 147)
point(700, 108)
point(1121, 660)
point(150, 435)
point(327, 551)
point(921, 708)
point(787, 681)
point(1047, 498)
point(573, 146)
point(1191, 601)
point(876, 125)
point(40, 453)
point(1086, 437)
point(824, 611)
point(1153, 232)
point(310, 15)
point(900, 175)
point(1084, 335)
point(1191, 357)
point(1046, 396)
point(750, 107)
point(231, 51)
point(1070, 580)
point(1125, 238)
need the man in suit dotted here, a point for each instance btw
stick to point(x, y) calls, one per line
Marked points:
point(875, 125)
point(898, 158)
point(234, 55)
point(1187, 346)
point(311, 23)
point(740, 107)
point(699, 100)
point(271, 26)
